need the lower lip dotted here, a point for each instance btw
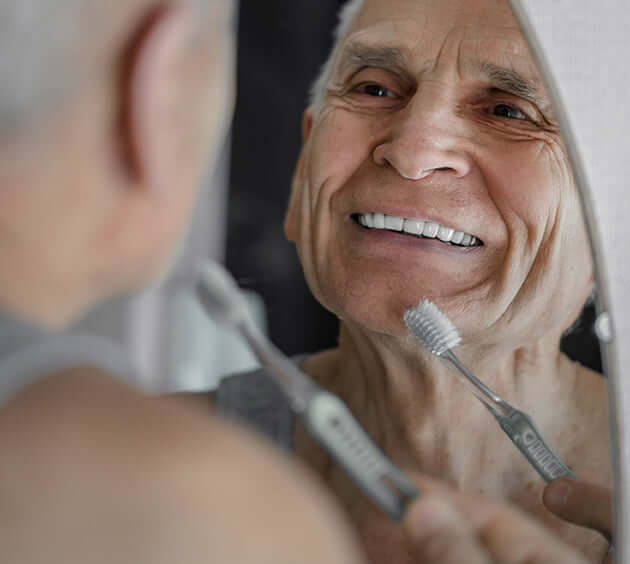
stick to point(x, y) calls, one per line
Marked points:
point(383, 238)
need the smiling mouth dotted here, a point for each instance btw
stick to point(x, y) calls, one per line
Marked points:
point(420, 228)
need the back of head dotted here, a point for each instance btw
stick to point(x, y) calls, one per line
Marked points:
point(48, 51)
point(109, 114)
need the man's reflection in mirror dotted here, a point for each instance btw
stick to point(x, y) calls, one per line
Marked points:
point(432, 166)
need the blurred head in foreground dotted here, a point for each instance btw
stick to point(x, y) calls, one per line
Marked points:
point(109, 116)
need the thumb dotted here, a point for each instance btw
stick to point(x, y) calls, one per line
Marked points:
point(581, 503)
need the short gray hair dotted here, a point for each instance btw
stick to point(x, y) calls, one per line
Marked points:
point(36, 40)
point(48, 49)
point(347, 16)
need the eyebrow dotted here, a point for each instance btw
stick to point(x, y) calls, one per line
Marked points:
point(357, 55)
point(510, 81)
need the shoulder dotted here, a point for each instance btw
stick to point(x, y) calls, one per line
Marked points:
point(93, 471)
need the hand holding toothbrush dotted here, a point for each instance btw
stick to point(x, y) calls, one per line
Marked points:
point(448, 527)
point(583, 504)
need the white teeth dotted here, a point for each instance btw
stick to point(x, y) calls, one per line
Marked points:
point(413, 226)
point(418, 227)
point(457, 237)
point(431, 229)
point(445, 233)
point(394, 223)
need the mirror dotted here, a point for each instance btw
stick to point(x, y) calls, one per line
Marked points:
point(277, 63)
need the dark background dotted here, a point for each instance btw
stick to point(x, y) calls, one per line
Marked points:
point(282, 45)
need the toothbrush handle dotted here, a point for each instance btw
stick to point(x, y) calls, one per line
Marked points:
point(329, 420)
point(492, 401)
point(521, 429)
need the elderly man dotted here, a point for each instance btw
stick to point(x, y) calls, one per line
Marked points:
point(107, 113)
point(433, 167)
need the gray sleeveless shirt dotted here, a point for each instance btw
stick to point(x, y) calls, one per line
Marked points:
point(253, 399)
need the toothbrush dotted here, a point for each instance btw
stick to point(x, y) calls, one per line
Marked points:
point(437, 333)
point(325, 416)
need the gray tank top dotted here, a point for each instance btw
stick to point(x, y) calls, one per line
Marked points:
point(29, 353)
point(254, 399)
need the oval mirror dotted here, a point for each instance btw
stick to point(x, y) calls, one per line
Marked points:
point(279, 60)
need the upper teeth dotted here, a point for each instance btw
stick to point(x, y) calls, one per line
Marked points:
point(419, 227)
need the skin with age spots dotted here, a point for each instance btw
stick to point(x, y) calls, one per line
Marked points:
point(435, 110)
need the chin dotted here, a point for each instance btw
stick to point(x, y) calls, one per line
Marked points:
point(376, 312)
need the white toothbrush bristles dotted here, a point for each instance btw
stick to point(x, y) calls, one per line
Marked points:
point(432, 328)
point(220, 296)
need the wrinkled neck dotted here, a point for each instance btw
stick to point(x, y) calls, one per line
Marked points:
point(416, 408)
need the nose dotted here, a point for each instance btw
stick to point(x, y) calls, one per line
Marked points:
point(426, 136)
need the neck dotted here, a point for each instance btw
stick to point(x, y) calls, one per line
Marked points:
point(44, 212)
point(29, 298)
point(424, 417)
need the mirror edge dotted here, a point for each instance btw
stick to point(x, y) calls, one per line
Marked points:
point(620, 442)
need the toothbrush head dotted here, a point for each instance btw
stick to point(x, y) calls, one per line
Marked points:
point(432, 328)
point(219, 295)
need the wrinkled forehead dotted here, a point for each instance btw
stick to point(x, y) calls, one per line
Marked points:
point(472, 35)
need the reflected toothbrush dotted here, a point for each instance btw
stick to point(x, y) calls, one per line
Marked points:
point(436, 332)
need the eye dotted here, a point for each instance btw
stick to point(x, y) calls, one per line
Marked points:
point(509, 112)
point(375, 90)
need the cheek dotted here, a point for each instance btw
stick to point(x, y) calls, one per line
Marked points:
point(550, 263)
point(526, 184)
point(340, 143)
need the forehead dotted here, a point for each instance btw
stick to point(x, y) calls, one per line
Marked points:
point(428, 32)
point(492, 12)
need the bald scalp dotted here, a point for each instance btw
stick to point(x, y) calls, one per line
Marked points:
point(50, 50)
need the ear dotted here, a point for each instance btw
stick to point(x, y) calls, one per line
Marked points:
point(292, 218)
point(307, 124)
point(149, 95)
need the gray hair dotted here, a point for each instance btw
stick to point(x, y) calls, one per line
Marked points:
point(49, 47)
point(347, 16)
point(36, 38)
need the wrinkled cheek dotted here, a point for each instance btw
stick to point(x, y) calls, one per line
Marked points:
point(569, 237)
point(338, 148)
point(341, 143)
point(537, 200)
point(538, 181)
point(559, 280)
